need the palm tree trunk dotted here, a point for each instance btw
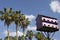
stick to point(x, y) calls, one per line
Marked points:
point(23, 34)
point(8, 31)
point(16, 32)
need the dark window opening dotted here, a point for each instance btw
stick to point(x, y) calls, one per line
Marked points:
point(43, 19)
point(55, 22)
point(44, 24)
point(48, 25)
point(48, 20)
point(51, 21)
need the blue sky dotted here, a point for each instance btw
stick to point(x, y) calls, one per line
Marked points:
point(31, 8)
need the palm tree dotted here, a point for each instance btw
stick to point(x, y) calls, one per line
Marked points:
point(29, 34)
point(40, 36)
point(16, 16)
point(24, 22)
point(6, 17)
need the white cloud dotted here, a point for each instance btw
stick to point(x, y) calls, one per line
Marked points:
point(55, 6)
point(31, 28)
point(19, 33)
point(13, 33)
point(31, 17)
point(54, 39)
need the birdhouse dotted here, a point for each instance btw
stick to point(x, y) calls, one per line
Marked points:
point(46, 23)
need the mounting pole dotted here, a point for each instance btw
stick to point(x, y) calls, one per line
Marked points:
point(48, 36)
